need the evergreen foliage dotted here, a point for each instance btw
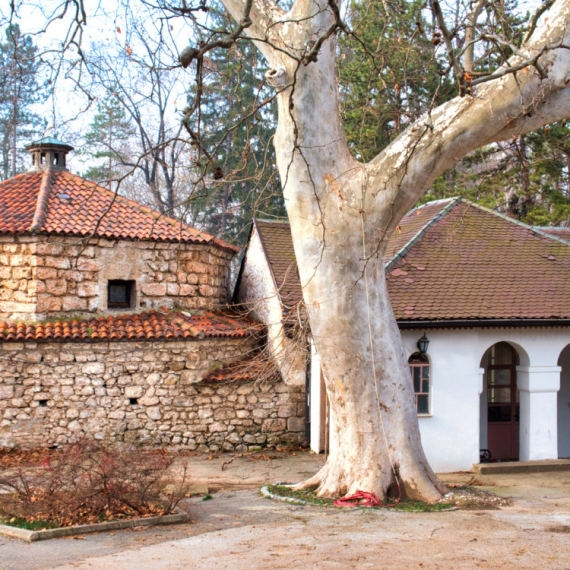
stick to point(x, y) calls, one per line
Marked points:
point(21, 87)
point(385, 90)
point(106, 142)
point(238, 138)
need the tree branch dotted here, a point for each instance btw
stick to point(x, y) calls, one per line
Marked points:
point(470, 34)
point(189, 54)
point(534, 20)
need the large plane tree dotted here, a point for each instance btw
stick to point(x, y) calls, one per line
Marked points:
point(342, 210)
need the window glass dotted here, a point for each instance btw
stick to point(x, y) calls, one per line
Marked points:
point(503, 353)
point(500, 413)
point(423, 404)
point(499, 395)
point(419, 367)
point(118, 294)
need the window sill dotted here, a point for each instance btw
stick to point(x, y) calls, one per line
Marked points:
point(425, 415)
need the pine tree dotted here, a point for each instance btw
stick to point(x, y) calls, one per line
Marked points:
point(240, 140)
point(386, 89)
point(21, 88)
point(106, 142)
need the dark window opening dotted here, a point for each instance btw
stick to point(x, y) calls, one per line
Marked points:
point(121, 295)
point(42, 403)
point(133, 401)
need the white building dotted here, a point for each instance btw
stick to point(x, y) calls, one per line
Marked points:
point(493, 297)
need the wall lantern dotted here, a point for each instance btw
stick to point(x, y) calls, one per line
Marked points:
point(423, 344)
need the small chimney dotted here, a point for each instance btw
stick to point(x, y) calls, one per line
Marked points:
point(48, 154)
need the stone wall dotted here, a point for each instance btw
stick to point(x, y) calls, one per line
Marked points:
point(44, 276)
point(53, 392)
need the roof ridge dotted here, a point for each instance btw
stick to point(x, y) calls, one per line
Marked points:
point(268, 221)
point(42, 202)
point(402, 252)
point(21, 175)
point(431, 203)
point(552, 227)
point(534, 229)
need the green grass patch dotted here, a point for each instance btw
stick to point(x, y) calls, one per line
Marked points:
point(418, 506)
point(311, 497)
point(304, 495)
point(30, 525)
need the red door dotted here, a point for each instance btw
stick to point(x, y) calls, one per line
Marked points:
point(503, 403)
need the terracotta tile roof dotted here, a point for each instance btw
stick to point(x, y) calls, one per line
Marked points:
point(476, 264)
point(74, 206)
point(454, 260)
point(151, 325)
point(563, 233)
point(413, 223)
point(278, 246)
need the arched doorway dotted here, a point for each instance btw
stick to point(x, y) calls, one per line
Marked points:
point(501, 401)
point(564, 405)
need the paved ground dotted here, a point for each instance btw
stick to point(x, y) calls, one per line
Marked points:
point(238, 529)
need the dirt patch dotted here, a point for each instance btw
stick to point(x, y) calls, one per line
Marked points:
point(561, 528)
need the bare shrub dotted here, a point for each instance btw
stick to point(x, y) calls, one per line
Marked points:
point(92, 481)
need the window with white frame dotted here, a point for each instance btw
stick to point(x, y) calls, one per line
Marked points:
point(419, 367)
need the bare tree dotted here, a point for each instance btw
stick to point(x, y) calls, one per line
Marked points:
point(138, 72)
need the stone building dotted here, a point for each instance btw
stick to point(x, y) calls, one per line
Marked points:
point(116, 323)
point(69, 245)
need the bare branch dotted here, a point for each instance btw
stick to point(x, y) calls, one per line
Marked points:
point(470, 34)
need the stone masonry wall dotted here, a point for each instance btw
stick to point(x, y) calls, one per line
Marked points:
point(44, 276)
point(53, 392)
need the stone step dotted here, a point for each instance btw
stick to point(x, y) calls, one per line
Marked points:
point(542, 466)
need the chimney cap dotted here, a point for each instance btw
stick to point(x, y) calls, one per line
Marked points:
point(48, 154)
point(46, 142)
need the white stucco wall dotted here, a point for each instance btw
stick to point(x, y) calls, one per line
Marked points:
point(456, 428)
point(451, 434)
point(256, 289)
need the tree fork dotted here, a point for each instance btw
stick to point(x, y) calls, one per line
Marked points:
point(327, 192)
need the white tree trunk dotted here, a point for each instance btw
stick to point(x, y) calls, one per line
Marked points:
point(342, 213)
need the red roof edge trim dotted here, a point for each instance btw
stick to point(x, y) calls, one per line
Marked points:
point(145, 326)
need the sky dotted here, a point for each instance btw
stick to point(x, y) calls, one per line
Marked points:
point(67, 111)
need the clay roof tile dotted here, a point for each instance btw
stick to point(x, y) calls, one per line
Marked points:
point(468, 263)
point(24, 209)
point(145, 326)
